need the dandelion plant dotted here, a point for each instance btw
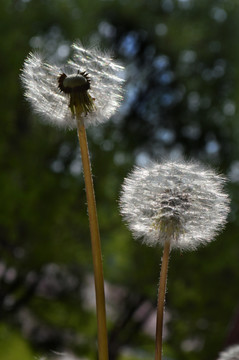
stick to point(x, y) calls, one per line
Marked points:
point(87, 92)
point(176, 204)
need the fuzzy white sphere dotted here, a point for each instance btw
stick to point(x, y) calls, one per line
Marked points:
point(177, 201)
point(40, 81)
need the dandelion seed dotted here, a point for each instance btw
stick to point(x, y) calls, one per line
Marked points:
point(175, 204)
point(90, 84)
point(180, 202)
point(231, 353)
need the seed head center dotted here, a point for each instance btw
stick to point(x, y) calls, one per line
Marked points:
point(73, 81)
point(76, 86)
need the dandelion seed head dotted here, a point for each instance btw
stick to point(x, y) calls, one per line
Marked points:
point(73, 83)
point(181, 202)
point(91, 79)
point(231, 353)
point(77, 86)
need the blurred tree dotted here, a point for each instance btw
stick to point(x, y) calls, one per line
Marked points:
point(181, 95)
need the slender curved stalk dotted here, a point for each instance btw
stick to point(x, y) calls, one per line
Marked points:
point(161, 299)
point(95, 243)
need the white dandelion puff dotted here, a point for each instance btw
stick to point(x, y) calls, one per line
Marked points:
point(91, 81)
point(181, 202)
point(231, 353)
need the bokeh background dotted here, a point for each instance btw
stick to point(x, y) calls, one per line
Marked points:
point(181, 95)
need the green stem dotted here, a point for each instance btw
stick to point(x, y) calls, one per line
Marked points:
point(161, 300)
point(95, 243)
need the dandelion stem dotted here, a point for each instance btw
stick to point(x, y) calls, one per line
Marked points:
point(95, 243)
point(161, 299)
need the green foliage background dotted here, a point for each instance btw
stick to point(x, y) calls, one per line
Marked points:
point(181, 97)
